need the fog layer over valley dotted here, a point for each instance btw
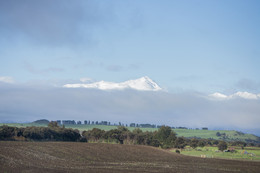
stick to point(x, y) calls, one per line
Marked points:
point(190, 109)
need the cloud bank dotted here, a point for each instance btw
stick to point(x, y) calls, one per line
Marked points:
point(6, 79)
point(22, 104)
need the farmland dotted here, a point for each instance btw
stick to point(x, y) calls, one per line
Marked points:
point(230, 135)
point(98, 157)
point(247, 153)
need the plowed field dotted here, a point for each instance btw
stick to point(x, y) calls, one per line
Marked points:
point(31, 157)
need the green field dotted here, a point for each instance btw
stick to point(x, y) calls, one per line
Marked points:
point(231, 135)
point(189, 133)
point(248, 153)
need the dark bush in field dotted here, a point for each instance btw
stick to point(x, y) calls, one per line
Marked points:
point(180, 142)
point(94, 135)
point(119, 134)
point(238, 143)
point(7, 132)
point(218, 134)
point(194, 143)
point(222, 146)
point(201, 143)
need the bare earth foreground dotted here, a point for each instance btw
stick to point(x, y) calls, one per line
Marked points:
point(89, 157)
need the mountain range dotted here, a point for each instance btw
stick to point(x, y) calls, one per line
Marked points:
point(142, 84)
point(147, 84)
point(244, 95)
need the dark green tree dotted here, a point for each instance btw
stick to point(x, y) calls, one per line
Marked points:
point(218, 134)
point(166, 137)
point(7, 132)
point(53, 124)
point(95, 134)
point(194, 143)
point(222, 145)
point(201, 143)
point(180, 142)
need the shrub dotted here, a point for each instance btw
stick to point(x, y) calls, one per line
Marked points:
point(180, 142)
point(194, 143)
point(222, 146)
point(7, 132)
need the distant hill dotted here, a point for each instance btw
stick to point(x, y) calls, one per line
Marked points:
point(226, 135)
point(42, 121)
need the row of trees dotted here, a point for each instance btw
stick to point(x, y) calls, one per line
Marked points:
point(51, 133)
point(88, 122)
point(164, 137)
point(194, 143)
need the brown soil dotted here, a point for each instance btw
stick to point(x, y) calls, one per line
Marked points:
point(31, 157)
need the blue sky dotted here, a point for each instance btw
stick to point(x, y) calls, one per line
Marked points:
point(183, 45)
point(190, 48)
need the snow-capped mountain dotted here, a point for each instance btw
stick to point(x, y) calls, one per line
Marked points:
point(244, 95)
point(218, 95)
point(143, 84)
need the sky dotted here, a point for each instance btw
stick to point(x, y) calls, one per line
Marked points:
point(186, 47)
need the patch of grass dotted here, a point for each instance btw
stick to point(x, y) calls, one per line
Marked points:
point(212, 152)
point(230, 135)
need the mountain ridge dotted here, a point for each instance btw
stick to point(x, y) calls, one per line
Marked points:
point(239, 94)
point(142, 84)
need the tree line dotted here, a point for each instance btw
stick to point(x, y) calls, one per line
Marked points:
point(164, 137)
point(51, 133)
point(107, 123)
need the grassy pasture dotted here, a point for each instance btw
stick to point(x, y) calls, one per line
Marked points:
point(212, 152)
point(230, 134)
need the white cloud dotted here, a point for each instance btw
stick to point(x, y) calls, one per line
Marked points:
point(6, 79)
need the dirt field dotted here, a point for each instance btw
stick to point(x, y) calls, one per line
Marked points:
point(31, 157)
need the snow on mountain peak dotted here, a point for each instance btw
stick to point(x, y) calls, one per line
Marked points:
point(143, 84)
point(218, 95)
point(244, 95)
